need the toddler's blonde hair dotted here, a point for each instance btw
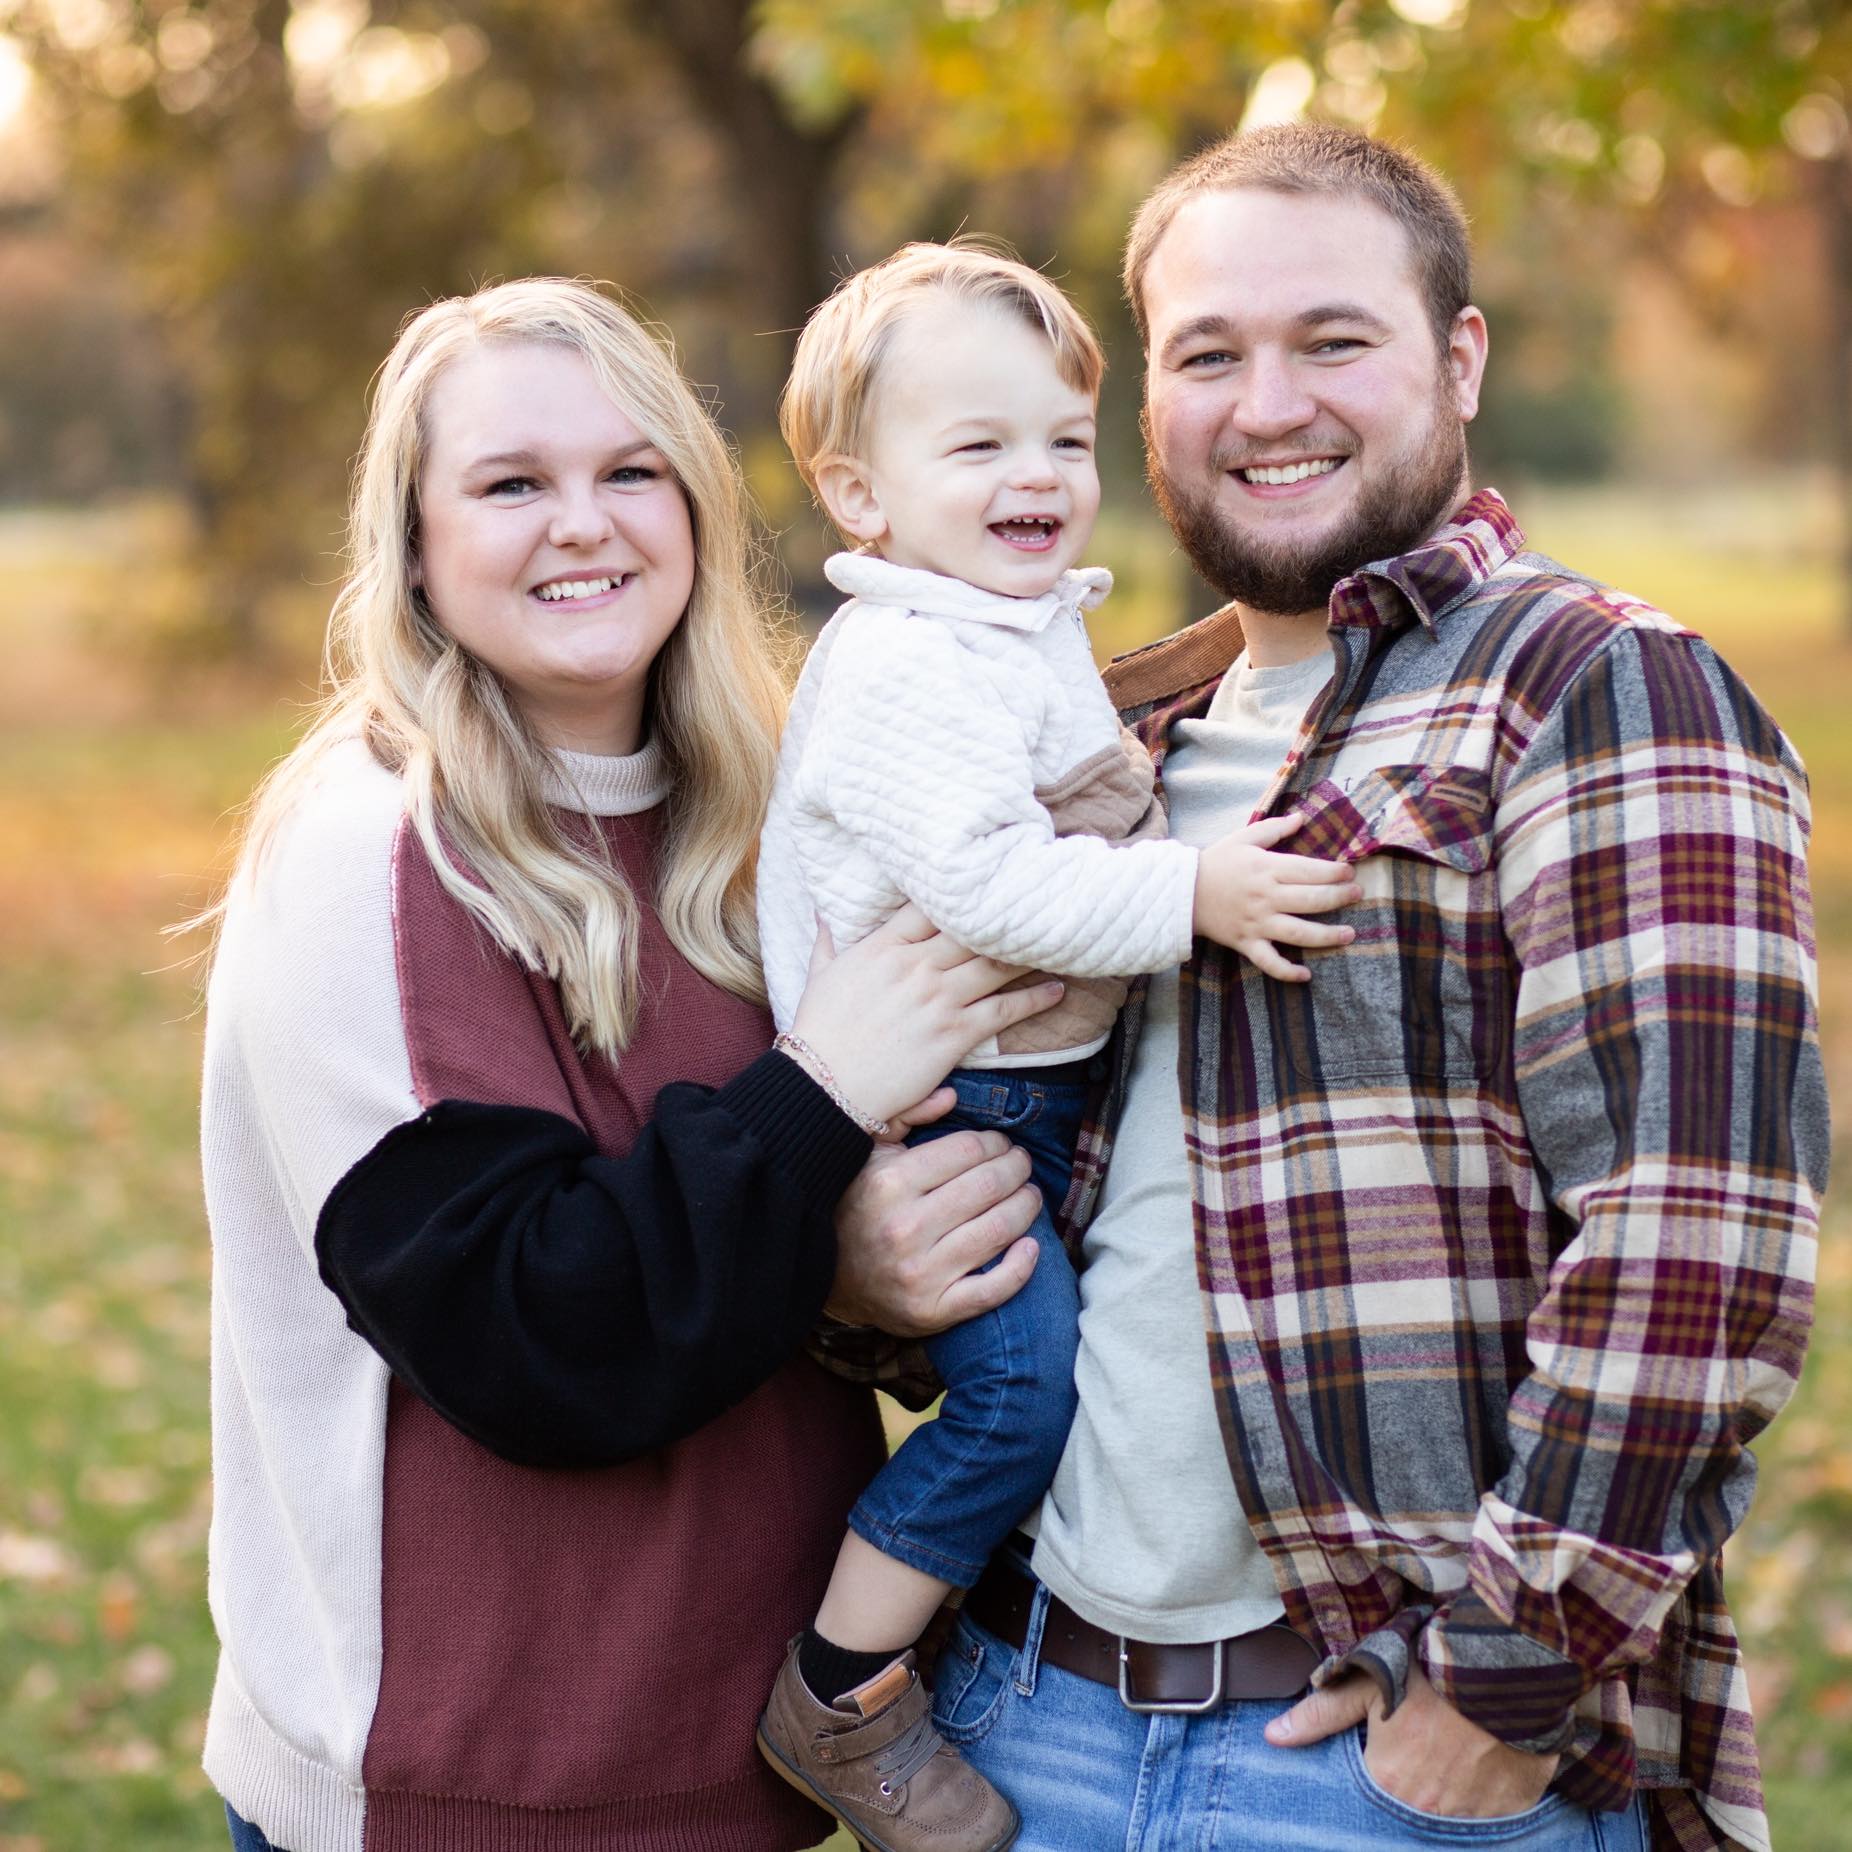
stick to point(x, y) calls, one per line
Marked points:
point(824, 411)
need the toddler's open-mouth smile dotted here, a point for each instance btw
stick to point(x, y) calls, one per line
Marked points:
point(1028, 533)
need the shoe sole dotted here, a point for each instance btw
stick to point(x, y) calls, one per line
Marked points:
point(805, 1786)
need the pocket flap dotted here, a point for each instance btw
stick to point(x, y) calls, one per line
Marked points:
point(1439, 813)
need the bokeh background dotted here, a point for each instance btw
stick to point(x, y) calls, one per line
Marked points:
point(214, 214)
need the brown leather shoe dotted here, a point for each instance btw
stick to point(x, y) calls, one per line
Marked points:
point(875, 1761)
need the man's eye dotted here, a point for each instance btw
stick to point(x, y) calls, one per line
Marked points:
point(1215, 357)
point(1337, 344)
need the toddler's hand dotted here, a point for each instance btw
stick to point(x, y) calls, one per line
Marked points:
point(1247, 896)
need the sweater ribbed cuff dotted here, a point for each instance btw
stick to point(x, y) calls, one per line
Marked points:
point(817, 1142)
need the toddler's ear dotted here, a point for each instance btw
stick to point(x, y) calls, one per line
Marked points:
point(849, 498)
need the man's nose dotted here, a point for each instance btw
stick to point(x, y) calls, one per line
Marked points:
point(580, 518)
point(1272, 400)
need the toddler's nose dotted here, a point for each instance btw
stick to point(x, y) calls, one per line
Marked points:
point(1033, 469)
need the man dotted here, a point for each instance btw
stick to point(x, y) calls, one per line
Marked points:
point(1428, 1307)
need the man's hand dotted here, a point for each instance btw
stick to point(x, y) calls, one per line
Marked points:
point(1427, 1756)
point(913, 1228)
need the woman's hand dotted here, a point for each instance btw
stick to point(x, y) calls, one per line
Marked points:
point(896, 1012)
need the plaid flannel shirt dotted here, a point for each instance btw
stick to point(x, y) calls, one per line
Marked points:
point(1505, 1222)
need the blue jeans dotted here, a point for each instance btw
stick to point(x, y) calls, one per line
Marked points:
point(244, 1836)
point(958, 1485)
point(1087, 1773)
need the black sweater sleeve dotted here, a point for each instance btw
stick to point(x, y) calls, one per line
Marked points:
point(566, 1309)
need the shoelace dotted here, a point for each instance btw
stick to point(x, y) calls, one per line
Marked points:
point(907, 1754)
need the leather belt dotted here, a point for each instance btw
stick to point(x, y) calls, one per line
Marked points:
point(1275, 1661)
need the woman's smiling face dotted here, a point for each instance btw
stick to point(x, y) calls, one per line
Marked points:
point(555, 543)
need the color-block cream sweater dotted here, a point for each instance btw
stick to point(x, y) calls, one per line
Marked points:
point(956, 748)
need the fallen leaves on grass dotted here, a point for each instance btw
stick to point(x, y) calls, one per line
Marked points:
point(28, 1558)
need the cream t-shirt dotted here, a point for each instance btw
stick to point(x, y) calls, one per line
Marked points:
point(1141, 1532)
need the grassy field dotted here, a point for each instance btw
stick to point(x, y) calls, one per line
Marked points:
point(116, 774)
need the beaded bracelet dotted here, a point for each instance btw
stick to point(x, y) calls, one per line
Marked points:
point(813, 1064)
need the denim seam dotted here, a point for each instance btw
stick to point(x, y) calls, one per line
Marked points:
point(1465, 1830)
point(981, 1725)
point(1029, 1660)
point(892, 1541)
point(958, 1469)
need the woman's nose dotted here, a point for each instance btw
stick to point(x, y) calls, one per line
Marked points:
point(580, 519)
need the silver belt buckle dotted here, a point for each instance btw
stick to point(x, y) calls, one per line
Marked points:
point(1179, 1707)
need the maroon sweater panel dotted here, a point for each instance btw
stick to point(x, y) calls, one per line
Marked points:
point(574, 1660)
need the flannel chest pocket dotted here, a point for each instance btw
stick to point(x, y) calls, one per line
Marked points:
point(1425, 990)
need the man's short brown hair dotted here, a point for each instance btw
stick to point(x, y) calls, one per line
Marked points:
point(1319, 157)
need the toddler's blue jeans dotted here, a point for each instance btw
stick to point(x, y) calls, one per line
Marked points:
point(958, 1484)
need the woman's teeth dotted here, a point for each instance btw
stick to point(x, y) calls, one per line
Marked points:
point(577, 588)
point(1291, 472)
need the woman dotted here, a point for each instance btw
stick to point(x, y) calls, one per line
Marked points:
point(520, 1487)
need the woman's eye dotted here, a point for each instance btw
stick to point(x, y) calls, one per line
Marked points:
point(633, 473)
point(512, 485)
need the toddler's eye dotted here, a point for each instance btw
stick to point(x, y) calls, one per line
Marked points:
point(980, 445)
point(1078, 444)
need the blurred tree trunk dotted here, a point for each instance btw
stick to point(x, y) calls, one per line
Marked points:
point(1834, 186)
point(782, 173)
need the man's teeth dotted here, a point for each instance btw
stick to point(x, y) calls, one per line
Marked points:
point(576, 588)
point(1292, 472)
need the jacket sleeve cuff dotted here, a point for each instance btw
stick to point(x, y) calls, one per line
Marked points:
point(1183, 929)
point(817, 1143)
point(1512, 1687)
point(861, 1354)
point(1383, 1656)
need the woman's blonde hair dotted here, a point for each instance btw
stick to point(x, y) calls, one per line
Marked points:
point(824, 411)
point(475, 776)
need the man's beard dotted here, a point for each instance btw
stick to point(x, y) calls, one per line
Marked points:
point(1392, 514)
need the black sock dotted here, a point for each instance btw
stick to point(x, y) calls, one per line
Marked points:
point(830, 1670)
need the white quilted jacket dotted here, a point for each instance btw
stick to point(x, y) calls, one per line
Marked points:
point(955, 748)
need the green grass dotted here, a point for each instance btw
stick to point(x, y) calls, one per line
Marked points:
point(112, 806)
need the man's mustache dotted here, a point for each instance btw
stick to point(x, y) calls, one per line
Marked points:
point(1225, 457)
